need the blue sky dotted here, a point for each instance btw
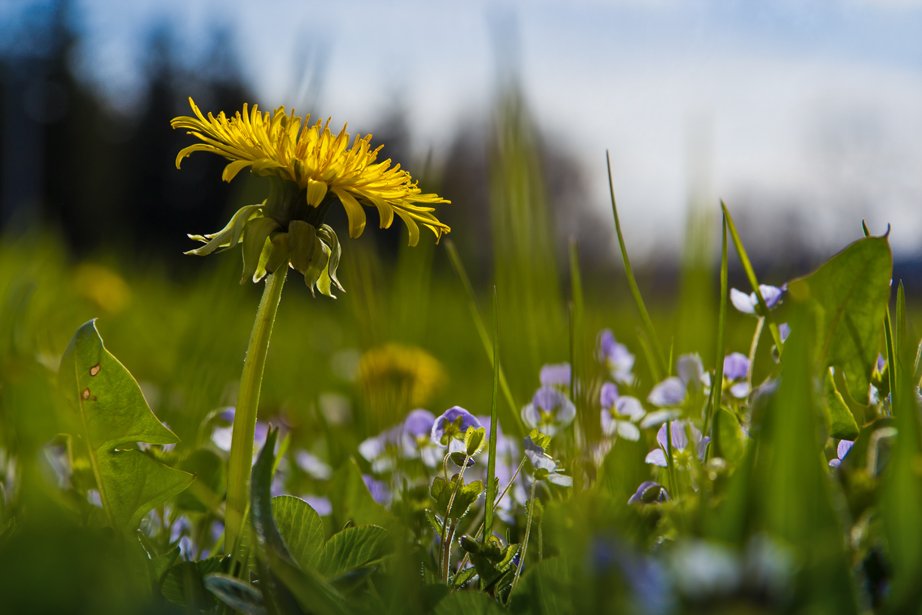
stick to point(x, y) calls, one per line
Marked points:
point(807, 107)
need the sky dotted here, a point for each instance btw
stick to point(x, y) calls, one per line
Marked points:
point(804, 117)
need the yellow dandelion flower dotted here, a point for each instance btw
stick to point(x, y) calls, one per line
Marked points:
point(398, 378)
point(318, 162)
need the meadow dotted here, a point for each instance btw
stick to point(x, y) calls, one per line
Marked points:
point(717, 450)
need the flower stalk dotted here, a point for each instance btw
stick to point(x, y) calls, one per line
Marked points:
point(241, 453)
point(531, 514)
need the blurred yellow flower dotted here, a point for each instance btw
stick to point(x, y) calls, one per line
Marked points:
point(399, 378)
point(321, 164)
point(103, 286)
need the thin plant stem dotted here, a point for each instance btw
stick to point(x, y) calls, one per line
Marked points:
point(495, 506)
point(446, 546)
point(531, 512)
point(670, 462)
point(241, 453)
point(755, 346)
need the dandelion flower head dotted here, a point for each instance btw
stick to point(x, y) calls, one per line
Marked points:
point(320, 163)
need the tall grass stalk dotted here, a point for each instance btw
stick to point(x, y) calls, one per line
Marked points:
point(652, 339)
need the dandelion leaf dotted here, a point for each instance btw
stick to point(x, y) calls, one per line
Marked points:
point(110, 416)
point(840, 422)
point(849, 296)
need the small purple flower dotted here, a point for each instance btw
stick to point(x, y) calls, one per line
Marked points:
point(556, 375)
point(379, 490)
point(609, 395)
point(313, 466)
point(784, 330)
point(691, 371)
point(319, 503)
point(748, 304)
point(658, 417)
point(222, 436)
point(841, 452)
point(736, 371)
point(418, 423)
point(381, 450)
point(736, 366)
point(545, 467)
point(649, 492)
point(549, 411)
point(417, 438)
point(681, 454)
point(616, 357)
point(881, 362)
point(668, 393)
point(453, 425)
point(619, 414)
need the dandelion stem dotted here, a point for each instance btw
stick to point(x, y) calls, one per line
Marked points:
point(241, 453)
point(531, 513)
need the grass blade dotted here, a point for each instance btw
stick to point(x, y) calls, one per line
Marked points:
point(482, 330)
point(657, 350)
point(494, 428)
point(717, 385)
point(753, 281)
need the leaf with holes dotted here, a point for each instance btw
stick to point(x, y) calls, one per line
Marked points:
point(110, 416)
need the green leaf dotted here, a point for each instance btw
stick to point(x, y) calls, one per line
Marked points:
point(268, 538)
point(160, 564)
point(354, 547)
point(111, 416)
point(840, 421)
point(849, 294)
point(435, 521)
point(790, 484)
point(351, 501)
point(901, 501)
point(301, 529)
point(463, 577)
point(240, 596)
point(543, 590)
point(465, 497)
point(730, 436)
point(184, 583)
point(468, 603)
